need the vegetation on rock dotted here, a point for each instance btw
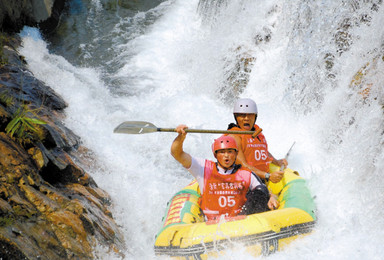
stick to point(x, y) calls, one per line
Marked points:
point(25, 125)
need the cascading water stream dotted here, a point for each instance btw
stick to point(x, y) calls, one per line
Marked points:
point(309, 66)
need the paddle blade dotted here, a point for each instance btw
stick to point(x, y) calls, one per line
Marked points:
point(135, 127)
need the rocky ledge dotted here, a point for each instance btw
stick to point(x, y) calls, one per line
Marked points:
point(45, 14)
point(50, 208)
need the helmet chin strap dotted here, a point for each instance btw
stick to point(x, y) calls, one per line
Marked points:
point(225, 168)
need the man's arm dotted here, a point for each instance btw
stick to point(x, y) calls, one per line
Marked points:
point(177, 147)
point(240, 159)
point(274, 176)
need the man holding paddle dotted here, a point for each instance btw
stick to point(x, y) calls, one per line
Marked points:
point(253, 151)
point(224, 185)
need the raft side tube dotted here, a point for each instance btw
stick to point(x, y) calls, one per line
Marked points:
point(185, 234)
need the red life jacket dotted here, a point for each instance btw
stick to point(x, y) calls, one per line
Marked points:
point(224, 194)
point(255, 150)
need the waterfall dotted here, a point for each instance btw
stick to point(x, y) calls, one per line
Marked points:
point(315, 69)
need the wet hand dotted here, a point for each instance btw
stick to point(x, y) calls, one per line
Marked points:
point(181, 129)
point(276, 176)
point(282, 162)
point(273, 203)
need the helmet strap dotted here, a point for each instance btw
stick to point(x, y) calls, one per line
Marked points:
point(225, 168)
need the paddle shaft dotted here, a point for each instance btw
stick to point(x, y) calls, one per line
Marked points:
point(255, 133)
point(286, 156)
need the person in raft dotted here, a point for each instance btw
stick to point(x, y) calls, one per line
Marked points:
point(224, 185)
point(253, 152)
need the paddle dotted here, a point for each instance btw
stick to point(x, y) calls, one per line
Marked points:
point(286, 156)
point(282, 168)
point(141, 127)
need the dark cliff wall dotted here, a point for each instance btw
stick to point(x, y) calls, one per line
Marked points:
point(50, 207)
point(45, 14)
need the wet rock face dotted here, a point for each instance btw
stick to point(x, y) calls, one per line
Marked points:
point(50, 207)
point(43, 13)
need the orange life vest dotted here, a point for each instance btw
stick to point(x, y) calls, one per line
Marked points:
point(224, 194)
point(255, 150)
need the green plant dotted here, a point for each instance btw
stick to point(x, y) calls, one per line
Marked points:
point(5, 98)
point(25, 125)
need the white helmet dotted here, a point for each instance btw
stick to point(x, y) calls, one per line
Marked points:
point(245, 106)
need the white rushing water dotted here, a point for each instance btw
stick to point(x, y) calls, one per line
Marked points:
point(177, 70)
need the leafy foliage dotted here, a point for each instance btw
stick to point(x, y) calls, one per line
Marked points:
point(25, 125)
point(5, 98)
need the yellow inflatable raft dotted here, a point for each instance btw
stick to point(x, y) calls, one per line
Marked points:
point(185, 235)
